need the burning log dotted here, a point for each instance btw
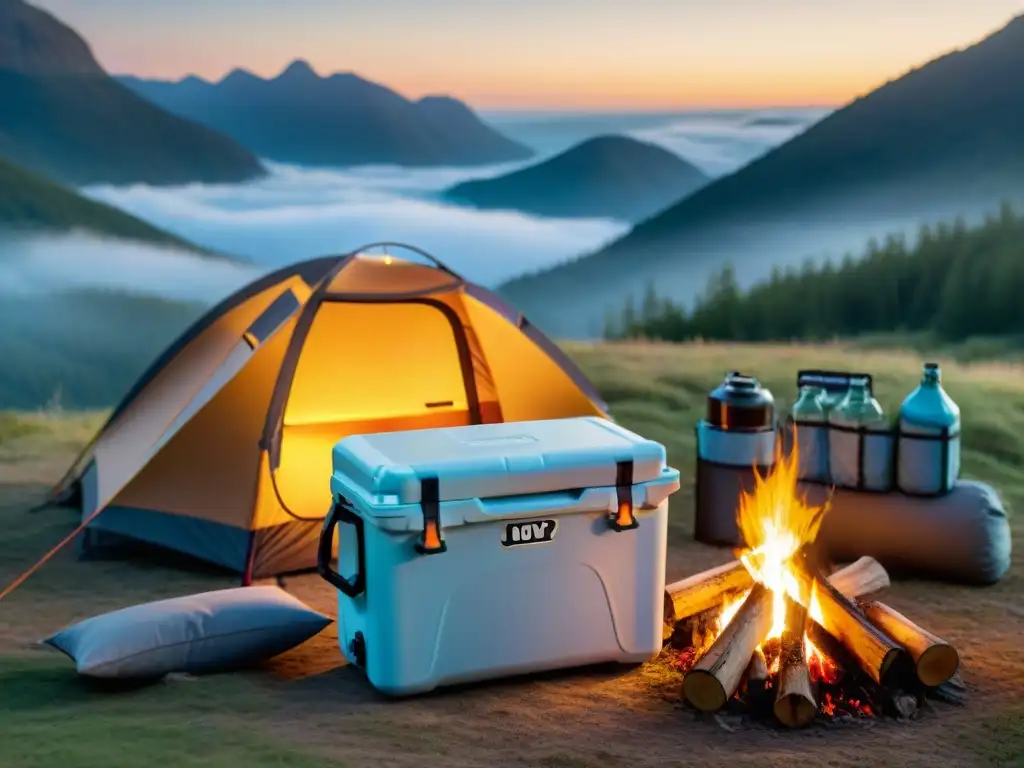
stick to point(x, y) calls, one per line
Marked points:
point(758, 690)
point(757, 671)
point(696, 631)
point(879, 655)
point(717, 674)
point(861, 577)
point(796, 703)
point(705, 590)
point(935, 660)
point(834, 670)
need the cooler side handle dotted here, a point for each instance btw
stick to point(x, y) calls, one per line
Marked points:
point(340, 513)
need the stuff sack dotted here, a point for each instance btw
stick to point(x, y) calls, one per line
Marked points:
point(717, 495)
point(208, 632)
point(962, 536)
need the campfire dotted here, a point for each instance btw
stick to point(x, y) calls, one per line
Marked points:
point(780, 635)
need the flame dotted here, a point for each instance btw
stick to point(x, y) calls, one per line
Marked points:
point(821, 667)
point(775, 522)
point(729, 609)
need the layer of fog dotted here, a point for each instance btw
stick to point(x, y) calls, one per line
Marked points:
point(718, 142)
point(35, 265)
point(752, 249)
point(298, 213)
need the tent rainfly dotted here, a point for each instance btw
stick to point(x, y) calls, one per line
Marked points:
point(222, 449)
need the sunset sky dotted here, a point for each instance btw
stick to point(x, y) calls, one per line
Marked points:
point(548, 54)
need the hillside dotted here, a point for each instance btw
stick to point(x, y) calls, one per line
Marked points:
point(340, 120)
point(954, 283)
point(65, 118)
point(607, 177)
point(944, 139)
point(30, 203)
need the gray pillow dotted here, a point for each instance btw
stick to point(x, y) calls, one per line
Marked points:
point(209, 632)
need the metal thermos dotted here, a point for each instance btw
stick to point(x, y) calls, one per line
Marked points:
point(739, 427)
point(735, 438)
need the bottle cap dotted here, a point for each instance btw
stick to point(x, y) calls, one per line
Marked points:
point(741, 403)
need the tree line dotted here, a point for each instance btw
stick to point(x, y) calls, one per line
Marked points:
point(955, 281)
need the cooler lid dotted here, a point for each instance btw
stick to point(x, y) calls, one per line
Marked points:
point(485, 461)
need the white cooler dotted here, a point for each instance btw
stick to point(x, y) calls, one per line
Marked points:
point(497, 549)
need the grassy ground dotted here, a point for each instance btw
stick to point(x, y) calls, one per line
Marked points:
point(306, 708)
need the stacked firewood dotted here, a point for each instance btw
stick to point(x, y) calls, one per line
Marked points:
point(901, 660)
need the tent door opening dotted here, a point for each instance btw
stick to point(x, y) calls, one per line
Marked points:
point(364, 367)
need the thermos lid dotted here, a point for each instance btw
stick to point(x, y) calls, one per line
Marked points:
point(741, 403)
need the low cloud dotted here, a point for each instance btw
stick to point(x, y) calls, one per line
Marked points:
point(298, 213)
point(48, 264)
point(720, 143)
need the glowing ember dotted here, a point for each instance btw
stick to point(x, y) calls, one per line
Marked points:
point(821, 667)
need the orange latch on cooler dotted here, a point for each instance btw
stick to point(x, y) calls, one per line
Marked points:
point(431, 542)
point(623, 519)
point(431, 537)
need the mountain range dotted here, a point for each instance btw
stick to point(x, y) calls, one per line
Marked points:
point(341, 120)
point(945, 139)
point(63, 116)
point(605, 177)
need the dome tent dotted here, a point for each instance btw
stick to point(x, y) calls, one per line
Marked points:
point(222, 449)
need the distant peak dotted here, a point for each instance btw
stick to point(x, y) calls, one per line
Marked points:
point(33, 41)
point(446, 105)
point(439, 98)
point(1016, 23)
point(348, 77)
point(616, 142)
point(612, 138)
point(299, 68)
point(239, 75)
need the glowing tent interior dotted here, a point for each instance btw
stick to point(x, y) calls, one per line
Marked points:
point(222, 449)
